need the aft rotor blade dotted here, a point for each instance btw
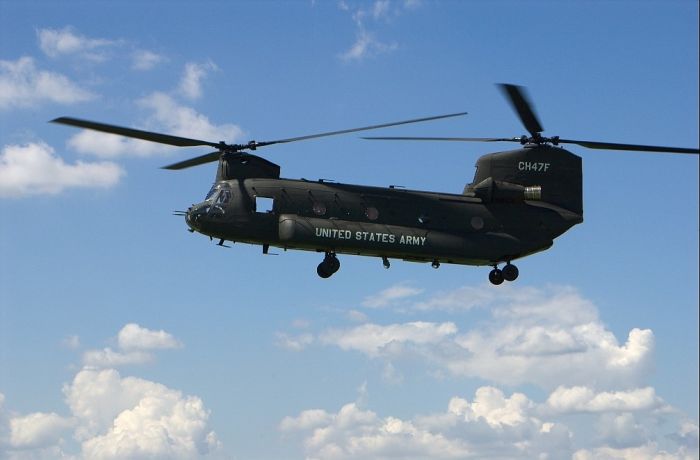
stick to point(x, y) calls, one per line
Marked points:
point(454, 139)
point(135, 133)
point(200, 160)
point(629, 147)
point(353, 130)
point(520, 103)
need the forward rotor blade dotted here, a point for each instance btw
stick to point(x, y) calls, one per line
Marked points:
point(200, 160)
point(520, 103)
point(455, 139)
point(629, 147)
point(135, 133)
point(364, 128)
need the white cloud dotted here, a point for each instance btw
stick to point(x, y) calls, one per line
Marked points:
point(134, 418)
point(306, 420)
point(493, 425)
point(294, 342)
point(114, 417)
point(56, 43)
point(23, 85)
point(621, 430)
point(391, 296)
point(135, 343)
point(38, 430)
point(34, 169)
point(648, 451)
point(584, 399)
point(371, 16)
point(374, 339)
point(191, 82)
point(132, 336)
point(111, 358)
point(548, 337)
point(72, 342)
point(167, 116)
point(145, 60)
point(367, 45)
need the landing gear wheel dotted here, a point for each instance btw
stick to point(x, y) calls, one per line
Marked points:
point(510, 272)
point(329, 266)
point(496, 276)
point(322, 271)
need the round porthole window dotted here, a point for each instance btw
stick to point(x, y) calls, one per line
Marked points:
point(319, 209)
point(372, 213)
point(477, 223)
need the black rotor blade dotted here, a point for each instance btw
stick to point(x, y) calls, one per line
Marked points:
point(520, 103)
point(200, 160)
point(455, 139)
point(352, 130)
point(629, 147)
point(135, 133)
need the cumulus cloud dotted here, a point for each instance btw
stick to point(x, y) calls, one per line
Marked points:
point(492, 425)
point(23, 85)
point(64, 42)
point(114, 417)
point(165, 115)
point(135, 343)
point(132, 336)
point(38, 430)
point(548, 336)
point(191, 82)
point(584, 399)
point(129, 417)
point(34, 169)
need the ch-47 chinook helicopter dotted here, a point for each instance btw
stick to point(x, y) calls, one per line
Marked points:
point(517, 204)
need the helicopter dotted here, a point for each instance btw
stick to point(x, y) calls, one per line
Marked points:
point(517, 204)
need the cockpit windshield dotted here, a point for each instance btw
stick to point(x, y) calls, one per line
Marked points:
point(212, 194)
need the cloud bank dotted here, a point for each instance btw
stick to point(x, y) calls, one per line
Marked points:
point(114, 417)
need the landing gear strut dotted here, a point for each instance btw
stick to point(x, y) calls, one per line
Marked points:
point(330, 265)
point(508, 273)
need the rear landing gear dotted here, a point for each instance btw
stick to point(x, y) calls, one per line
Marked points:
point(330, 265)
point(508, 273)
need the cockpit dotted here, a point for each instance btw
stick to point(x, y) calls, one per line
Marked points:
point(212, 208)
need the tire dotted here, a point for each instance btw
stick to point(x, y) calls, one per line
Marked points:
point(496, 277)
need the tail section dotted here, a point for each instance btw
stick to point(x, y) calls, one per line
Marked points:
point(543, 173)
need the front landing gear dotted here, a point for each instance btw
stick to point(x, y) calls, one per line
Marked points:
point(330, 265)
point(508, 273)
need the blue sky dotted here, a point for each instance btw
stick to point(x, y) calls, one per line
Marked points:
point(122, 335)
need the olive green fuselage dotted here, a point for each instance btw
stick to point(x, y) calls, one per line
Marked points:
point(373, 221)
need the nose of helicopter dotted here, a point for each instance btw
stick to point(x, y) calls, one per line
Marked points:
point(194, 216)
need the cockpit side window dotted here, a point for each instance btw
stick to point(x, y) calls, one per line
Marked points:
point(224, 197)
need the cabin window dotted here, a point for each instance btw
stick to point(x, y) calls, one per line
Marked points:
point(263, 204)
point(372, 213)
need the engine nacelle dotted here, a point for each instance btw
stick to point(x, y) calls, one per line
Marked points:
point(494, 191)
